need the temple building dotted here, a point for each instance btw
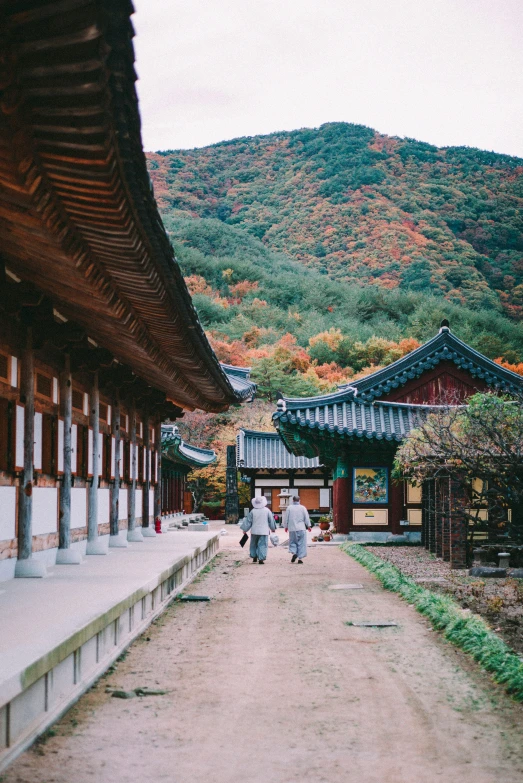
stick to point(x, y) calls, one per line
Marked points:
point(99, 339)
point(357, 430)
point(178, 459)
point(264, 461)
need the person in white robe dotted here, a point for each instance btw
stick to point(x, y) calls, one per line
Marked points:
point(260, 522)
point(296, 521)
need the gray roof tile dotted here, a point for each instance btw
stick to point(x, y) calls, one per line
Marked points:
point(266, 450)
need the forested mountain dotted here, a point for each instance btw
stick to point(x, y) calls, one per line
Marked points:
point(362, 207)
point(320, 255)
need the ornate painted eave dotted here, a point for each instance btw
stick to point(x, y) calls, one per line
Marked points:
point(178, 452)
point(444, 347)
point(78, 217)
point(265, 450)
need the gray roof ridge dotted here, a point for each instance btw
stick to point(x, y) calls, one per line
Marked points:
point(256, 433)
point(425, 405)
point(342, 395)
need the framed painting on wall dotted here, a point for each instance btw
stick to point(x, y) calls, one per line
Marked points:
point(370, 485)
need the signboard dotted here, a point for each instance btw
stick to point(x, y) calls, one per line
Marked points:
point(370, 516)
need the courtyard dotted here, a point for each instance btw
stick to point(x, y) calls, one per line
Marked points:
point(268, 682)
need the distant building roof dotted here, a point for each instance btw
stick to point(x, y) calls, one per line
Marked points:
point(262, 450)
point(177, 451)
point(239, 378)
point(382, 421)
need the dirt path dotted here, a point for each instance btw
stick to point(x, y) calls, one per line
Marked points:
point(267, 684)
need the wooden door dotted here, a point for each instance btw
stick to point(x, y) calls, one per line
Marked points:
point(310, 498)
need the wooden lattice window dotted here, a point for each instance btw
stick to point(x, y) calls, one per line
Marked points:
point(78, 400)
point(103, 412)
point(4, 367)
point(44, 385)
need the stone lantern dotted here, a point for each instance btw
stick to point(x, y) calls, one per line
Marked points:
point(285, 499)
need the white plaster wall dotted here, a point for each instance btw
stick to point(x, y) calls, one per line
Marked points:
point(272, 482)
point(122, 504)
point(325, 498)
point(78, 507)
point(138, 502)
point(7, 513)
point(103, 506)
point(19, 446)
point(45, 510)
point(151, 502)
point(37, 449)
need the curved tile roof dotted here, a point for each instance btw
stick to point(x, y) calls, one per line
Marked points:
point(240, 381)
point(78, 217)
point(377, 421)
point(262, 450)
point(179, 452)
point(445, 346)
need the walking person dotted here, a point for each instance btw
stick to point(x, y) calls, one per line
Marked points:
point(260, 522)
point(297, 522)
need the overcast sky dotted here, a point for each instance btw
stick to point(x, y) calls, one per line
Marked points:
point(442, 71)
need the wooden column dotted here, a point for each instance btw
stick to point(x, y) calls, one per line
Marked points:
point(66, 555)
point(158, 471)
point(115, 540)
point(132, 533)
point(341, 497)
point(95, 545)
point(26, 565)
point(147, 530)
point(429, 488)
point(439, 510)
point(458, 524)
point(231, 491)
point(396, 505)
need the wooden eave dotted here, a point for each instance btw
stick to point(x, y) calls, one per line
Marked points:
point(77, 214)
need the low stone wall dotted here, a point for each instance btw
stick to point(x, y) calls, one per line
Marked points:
point(35, 699)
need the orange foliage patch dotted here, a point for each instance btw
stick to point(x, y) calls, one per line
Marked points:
point(517, 368)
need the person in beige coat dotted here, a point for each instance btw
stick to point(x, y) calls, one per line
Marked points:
point(297, 522)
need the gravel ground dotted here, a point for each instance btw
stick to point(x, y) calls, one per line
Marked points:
point(268, 683)
point(499, 601)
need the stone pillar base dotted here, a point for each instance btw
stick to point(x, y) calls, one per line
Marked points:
point(96, 547)
point(117, 542)
point(68, 557)
point(135, 535)
point(30, 569)
point(148, 532)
